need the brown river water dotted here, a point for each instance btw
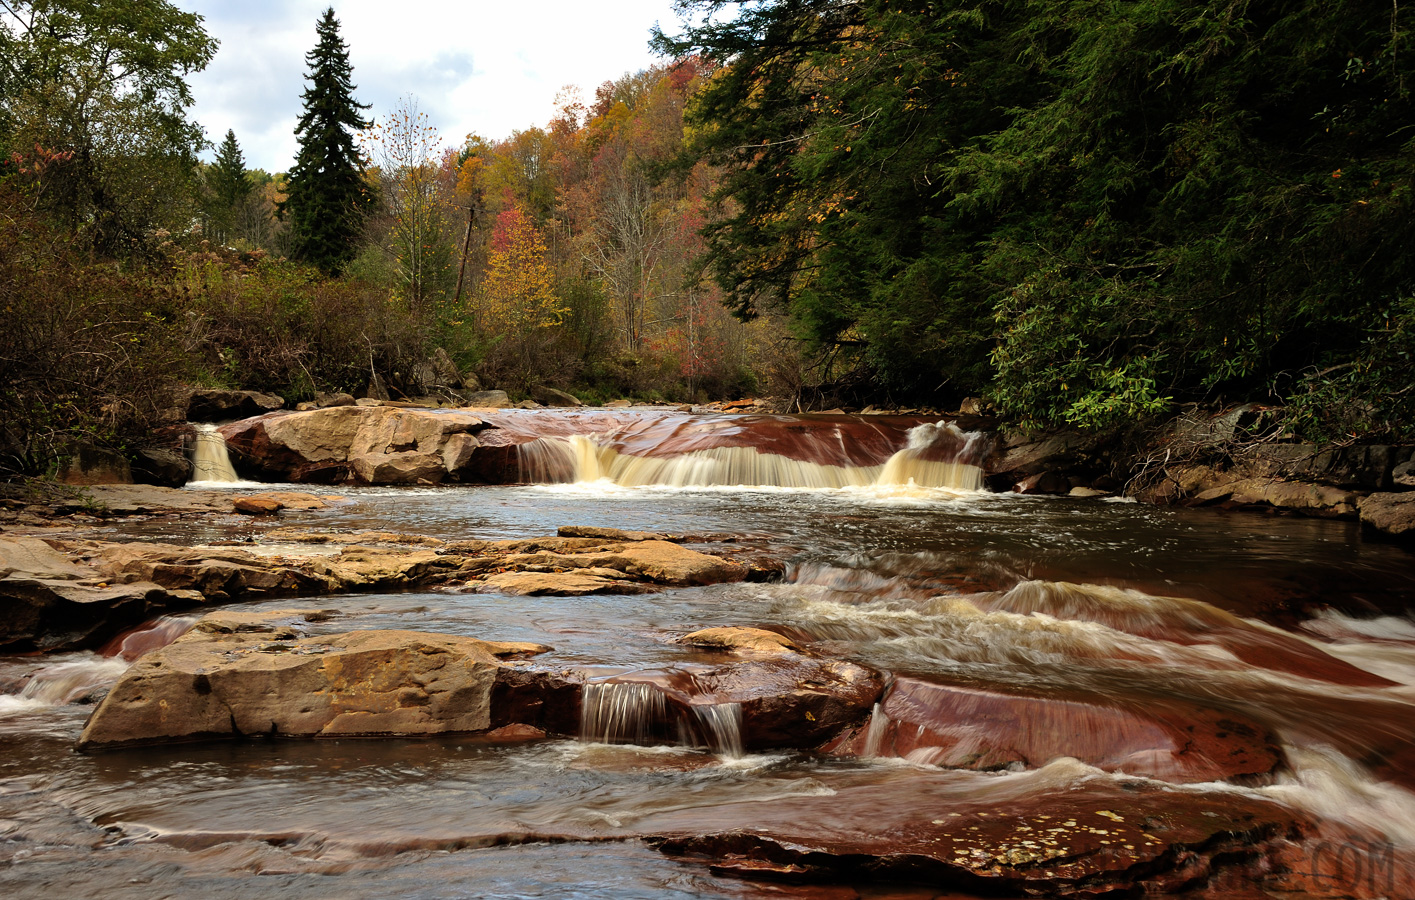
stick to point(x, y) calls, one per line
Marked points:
point(1297, 624)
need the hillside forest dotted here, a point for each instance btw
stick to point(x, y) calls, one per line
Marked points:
point(1086, 214)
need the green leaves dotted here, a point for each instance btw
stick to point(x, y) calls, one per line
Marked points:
point(326, 197)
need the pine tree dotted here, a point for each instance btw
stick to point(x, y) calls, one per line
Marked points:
point(326, 198)
point(229, 188)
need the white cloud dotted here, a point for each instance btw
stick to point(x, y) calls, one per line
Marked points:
point(474, 66)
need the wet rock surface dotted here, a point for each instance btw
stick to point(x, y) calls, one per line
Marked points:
point(957, 727)
point(65, 594)
point(1080, 840)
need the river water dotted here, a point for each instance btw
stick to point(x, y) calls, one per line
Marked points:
point(1296, 624)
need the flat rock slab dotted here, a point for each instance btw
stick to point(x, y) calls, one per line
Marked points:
point(967, 728)
point(1086, 838)
point(51, 600)
point(561, 584)
point(226, 680)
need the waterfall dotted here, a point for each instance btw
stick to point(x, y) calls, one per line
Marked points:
point(723, 724)
point(210, 462)
point(621, 712)
point(638, 713)
point(63, 683)
point(937, 455)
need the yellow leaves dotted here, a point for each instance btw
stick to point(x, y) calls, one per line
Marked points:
point(519, 288)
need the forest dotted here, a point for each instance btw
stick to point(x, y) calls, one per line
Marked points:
point(1086, 214)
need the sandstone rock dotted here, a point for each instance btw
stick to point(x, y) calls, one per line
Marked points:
point(223, 406)
point(362, 683)
point(94, 465)
point(1392, 514)
point(256, 506)
point(751, 639)
point(958, 727)
point(549, 396)
point(617, 404)
point(374, 445)
point(50, 602)
point(363, 568)
point(323, 400)
point(487, 399)
point(559, 584)
point(1308, 499)
point(656, 561)
point(971, 406)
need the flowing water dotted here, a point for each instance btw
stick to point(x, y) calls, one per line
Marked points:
point(1099, 612)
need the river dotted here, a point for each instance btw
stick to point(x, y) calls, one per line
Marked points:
point(1298, 625)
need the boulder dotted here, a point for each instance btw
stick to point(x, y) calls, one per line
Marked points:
point(445, 370)
point(256, 506)
point(168, 468)
point(1304, 497)
point(224, 406)
point(323, 400)
point(223, 682)
point(1402, 477)
point(969, 728)
point(94, 465)
point(1391, 514)
point(736, 639)
point(368, 444)
point(549, 396)
point(487, 399)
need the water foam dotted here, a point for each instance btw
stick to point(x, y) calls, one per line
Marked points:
point(591, 459)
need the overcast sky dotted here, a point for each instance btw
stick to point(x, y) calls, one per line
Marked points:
point(474, 66)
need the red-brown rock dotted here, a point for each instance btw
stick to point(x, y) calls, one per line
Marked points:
point(967, 728)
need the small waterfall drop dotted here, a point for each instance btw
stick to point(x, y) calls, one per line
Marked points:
point(63, 683)
point(210, 462)
point(621, 712)
point(722, 723)
point(937, 455)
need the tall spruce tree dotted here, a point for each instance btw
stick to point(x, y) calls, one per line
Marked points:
point(326, 198)
point(229, 188)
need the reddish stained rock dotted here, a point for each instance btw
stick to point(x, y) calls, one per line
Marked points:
point(1085, 838)
point(787, 700)
point(966, 728)
point(1179, 621)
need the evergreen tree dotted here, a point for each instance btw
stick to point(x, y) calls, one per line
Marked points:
point(229, 187)
point(326, 198)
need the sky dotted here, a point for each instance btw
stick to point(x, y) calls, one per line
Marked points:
point(473, 66)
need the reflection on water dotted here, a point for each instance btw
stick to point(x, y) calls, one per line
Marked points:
point(1293, 624)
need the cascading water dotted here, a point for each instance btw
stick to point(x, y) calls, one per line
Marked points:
point(722, 723)
point(621, 713)
point(211, 464)
point(638, 713)
point(936, 455)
